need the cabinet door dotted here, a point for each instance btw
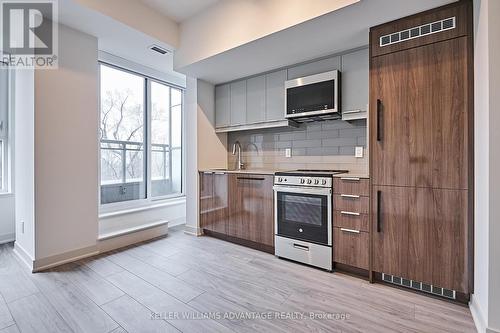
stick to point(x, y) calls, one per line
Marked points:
point(419, 132)
point(392, 209)
point(251, 208)
point(256, 99)
point(437, 239)
point(222, 105)
point(238, 103)
point(214, 202)
point(355, 81)
point(275, 95)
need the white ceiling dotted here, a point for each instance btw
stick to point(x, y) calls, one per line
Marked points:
point(332, 33)
point(179, 10)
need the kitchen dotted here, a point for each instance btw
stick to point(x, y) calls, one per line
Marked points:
point(332, 163)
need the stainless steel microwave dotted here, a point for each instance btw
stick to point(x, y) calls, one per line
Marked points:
point(314, 97)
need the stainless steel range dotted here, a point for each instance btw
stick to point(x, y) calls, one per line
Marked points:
point(303, 216)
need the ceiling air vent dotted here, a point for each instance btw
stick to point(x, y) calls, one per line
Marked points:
point(451, 294)
point(420, 31)
point(159, 49)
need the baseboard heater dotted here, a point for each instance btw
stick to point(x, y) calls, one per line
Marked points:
point(420, 286)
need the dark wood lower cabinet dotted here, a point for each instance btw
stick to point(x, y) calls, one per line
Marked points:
point(350, 247)
point(239, 206)
point(421, 234)
point(251, 208)
point(214, 201)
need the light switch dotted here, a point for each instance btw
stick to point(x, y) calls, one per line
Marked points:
point(288, 152)
point(359, 152)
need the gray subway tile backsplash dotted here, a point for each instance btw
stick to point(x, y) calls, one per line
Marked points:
point(328, 138)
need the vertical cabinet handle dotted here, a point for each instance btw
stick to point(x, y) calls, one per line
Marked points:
point(379, 120)
point(379, 214)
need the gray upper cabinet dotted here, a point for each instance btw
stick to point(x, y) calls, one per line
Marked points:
point(238, 109)
point(275, 95)
point(355, 81)
point(259, 102)
point(222, 105)
point(256, 99)
point(316, 67)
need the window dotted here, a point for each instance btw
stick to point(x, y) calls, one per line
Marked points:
point(141, 137)
point(4, 117)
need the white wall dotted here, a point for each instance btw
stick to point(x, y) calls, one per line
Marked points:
point(494, 242)
point(213, 153)
point(231, 23)
point(24, 162)
point(485, 303)
point(66, 148)
point(191, 142)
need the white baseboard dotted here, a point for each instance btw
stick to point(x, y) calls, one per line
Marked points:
point(23, 256)
point(7, 238)
point(64, 258)
point(103, 245)
point(477, 315)
point(194, 231)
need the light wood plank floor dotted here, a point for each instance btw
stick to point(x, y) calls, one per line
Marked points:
point(183, 283)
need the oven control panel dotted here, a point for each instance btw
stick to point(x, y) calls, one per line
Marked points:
point(310, 181)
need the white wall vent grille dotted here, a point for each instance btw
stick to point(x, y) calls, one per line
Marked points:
point(416, 32)
point(451, 294)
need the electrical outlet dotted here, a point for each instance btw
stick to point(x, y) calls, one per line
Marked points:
point(288, 152)
point(359, 152)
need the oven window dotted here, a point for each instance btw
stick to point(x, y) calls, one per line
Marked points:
point(303, 216)
point(300, 209)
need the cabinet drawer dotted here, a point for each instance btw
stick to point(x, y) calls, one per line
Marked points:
point(345, 220)
point(350, 247)
point(347, 185)
point(351, 204)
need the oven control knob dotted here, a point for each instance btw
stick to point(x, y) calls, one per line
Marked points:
point(316, 181)
point(302, 180)
point(323, 182)
point(300, 230)
point(280, 180)
point(309, 181)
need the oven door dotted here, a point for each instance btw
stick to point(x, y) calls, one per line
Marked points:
point(304, 213)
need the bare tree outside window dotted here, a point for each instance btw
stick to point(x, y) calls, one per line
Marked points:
point(123, 124)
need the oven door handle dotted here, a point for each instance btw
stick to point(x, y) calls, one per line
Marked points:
point(303, 190)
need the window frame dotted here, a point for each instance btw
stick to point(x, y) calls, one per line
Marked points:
point(148, 200)
point(6, 184)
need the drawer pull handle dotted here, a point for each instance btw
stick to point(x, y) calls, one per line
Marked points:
point(351, 179)
point(207, 172)
point(349, 213)
point(351, 196)
point(219, 173)
point(301, 247)
point(350, 230)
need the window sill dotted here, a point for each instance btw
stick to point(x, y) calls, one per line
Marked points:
point(6, 194)
point(150, 206)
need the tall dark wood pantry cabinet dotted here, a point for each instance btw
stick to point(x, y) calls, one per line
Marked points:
point(421, 122)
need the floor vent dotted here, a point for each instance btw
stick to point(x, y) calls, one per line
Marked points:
point(420, 31)
point(451, 294)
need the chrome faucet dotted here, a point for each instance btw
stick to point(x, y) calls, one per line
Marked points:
point(240, 164)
